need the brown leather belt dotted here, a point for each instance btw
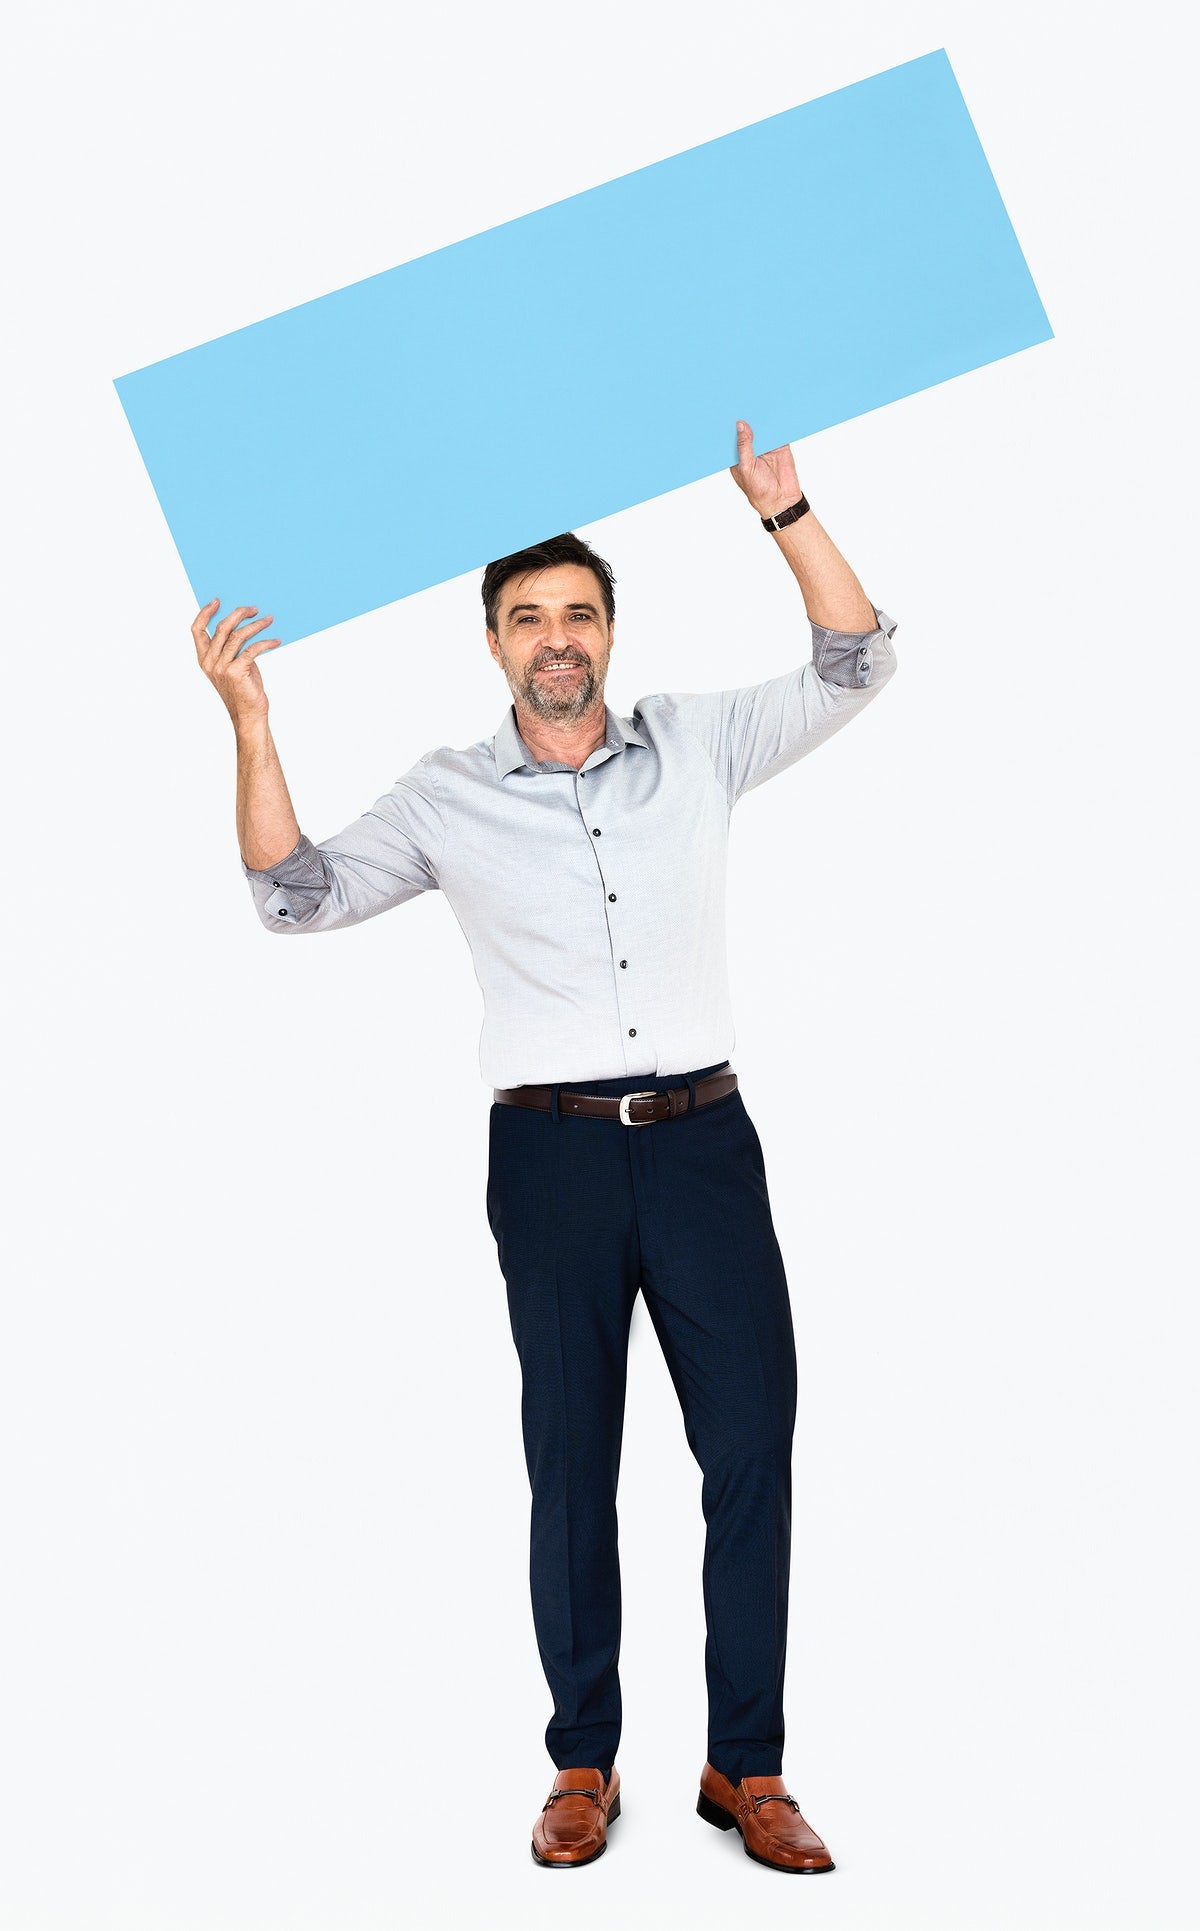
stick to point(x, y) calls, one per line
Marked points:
point(632, 1109)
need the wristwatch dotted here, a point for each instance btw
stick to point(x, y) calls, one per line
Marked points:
point(787, 516)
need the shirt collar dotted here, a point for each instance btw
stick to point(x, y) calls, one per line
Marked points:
point(512, 752)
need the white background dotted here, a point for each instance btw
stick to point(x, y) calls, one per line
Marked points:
point(267, 1653)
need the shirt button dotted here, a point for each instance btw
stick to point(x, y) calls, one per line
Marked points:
point(633, 1032)
point(595, 831)
point(283, 911)
point(624, 962)
point(612, 895)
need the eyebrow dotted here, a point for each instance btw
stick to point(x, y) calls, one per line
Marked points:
point(541, 606)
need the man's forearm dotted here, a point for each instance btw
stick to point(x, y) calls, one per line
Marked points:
point(267, 829)
point(833, 595)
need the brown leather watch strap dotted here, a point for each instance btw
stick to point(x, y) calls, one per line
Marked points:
point(783, 517)
point(632, 1109)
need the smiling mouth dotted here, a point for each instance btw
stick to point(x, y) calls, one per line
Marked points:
point(557, 667)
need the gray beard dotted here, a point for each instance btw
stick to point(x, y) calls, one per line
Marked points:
point(544, 698)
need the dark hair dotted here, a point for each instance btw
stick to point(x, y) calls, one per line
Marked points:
point(566, 548)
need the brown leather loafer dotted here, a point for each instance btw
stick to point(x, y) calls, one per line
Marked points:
point(573, 1826)
point(768, 1819)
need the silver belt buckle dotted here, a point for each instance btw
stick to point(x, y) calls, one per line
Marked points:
point(623, 1108)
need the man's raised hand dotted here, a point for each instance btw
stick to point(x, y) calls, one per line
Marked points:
point(229, 662)
point(770, 481)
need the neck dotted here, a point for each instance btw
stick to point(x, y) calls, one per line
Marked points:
point(568, 741)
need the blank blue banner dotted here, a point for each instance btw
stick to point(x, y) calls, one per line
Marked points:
point(588, 356)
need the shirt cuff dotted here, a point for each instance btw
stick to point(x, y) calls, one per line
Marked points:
point(292, 889)
point(847, 657)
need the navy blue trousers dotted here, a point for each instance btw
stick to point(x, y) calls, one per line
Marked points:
point(586, 1213)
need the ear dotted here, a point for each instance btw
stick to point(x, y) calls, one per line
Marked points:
point(493, 643)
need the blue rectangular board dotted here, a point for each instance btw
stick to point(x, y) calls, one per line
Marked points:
point(588, 356)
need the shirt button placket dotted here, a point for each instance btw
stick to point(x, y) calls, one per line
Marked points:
point(624, 963)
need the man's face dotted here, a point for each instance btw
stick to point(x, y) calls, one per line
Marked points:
point(553, 642)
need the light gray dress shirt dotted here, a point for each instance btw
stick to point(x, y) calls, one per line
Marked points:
point(593, 900)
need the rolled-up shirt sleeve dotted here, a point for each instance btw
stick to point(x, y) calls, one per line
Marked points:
point(386, 856)
point(757, 730)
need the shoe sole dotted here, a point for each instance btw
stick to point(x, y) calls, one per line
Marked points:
point(577, 1863)
point(723, 1819)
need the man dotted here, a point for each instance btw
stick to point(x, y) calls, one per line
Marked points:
point(584, 855)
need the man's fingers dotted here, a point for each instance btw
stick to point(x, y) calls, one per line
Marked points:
point(209, 648)
point(229, 640)
point(232, 640)
point(222, 631)
point(228, 623)
point(745, 462)
point(200, 636)
point(203, 614)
